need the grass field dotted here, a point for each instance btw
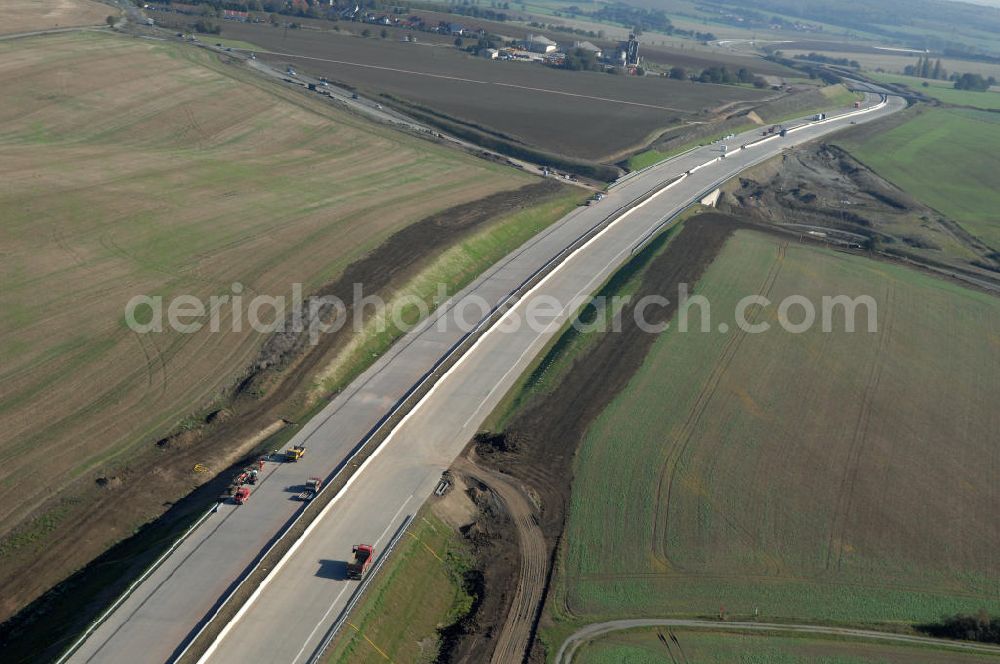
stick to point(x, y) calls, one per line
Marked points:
point(704, 647)
point(946, 158)
point(827, 477)
point(28, 15)
point(944, 91)
point(419, 591)
point(584, 115)
point(895, 62)
point(136, 167)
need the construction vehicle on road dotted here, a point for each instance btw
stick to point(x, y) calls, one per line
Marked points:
point(295, 453)
point(364, 554)
point(242, 495)
point(312, 488)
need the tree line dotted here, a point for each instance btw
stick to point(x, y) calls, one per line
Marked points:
point(980, 627)
point(935, 71)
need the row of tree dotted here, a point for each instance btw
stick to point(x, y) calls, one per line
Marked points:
point(974, 82)
point(827, 60)
point(720, 75)
point(980, 627)
point(924, 69)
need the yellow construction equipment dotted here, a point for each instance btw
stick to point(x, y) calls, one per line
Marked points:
point(295, 453)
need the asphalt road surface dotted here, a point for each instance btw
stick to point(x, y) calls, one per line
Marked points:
point(590, 632)
point(305, 593)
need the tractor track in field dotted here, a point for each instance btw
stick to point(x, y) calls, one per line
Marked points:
point(668, 475)
point(569, 647)
point(842, 511)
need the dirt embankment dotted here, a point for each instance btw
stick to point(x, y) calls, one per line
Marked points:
point(535, 452)
point(160, 485)
point(823, 192)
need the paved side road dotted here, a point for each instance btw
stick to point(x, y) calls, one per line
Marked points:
point(303, 596)
point(590, 632)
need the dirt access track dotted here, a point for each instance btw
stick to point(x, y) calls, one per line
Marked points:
point(536, 450)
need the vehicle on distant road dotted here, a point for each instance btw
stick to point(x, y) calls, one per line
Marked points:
point(295, 453)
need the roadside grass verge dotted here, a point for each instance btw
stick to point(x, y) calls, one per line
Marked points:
point(455, 268)
point(420, 590)
point(581, 332)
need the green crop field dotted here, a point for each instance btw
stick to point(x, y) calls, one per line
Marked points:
point(946, 158)
point(944, 91)
point(821, 476)
point(418, 592)
point(705, 647)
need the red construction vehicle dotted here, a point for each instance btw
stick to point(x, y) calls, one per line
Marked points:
point(364, 554)
point(312, 488)
point(242, 495)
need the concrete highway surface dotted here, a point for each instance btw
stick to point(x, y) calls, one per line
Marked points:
point(303, 596)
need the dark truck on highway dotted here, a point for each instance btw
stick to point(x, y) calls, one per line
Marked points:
point(364, 554)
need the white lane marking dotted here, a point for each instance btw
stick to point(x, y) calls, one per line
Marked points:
point(322, 620)
point(391, 521)
point(336, 599)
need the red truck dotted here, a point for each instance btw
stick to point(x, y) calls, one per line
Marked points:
point(242, 495)
point(364, 554)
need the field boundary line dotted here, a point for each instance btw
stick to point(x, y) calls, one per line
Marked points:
point(570, 645)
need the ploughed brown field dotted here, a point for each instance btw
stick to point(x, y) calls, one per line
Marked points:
point(585, 115)
point(137, 167)
point(30, 15)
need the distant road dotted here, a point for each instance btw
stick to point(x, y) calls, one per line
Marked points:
point(590, 632)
